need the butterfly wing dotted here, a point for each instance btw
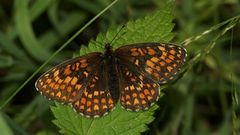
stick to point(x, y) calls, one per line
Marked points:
point(142, 68)
point(78, 82)
point(136, 91)
point(157, 60)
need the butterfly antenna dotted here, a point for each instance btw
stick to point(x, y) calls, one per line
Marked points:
point(117, 34)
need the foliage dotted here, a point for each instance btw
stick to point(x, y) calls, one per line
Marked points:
point(203, 100)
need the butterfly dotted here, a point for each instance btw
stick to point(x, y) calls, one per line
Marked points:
point(132, 74)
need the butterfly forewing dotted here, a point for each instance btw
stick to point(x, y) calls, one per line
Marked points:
point(65, 82)
point(158, 60)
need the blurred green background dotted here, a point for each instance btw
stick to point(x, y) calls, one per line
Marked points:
point(204, 101)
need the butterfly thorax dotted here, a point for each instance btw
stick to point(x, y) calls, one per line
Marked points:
point(108, 52)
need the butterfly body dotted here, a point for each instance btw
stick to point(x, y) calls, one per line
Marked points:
point(94, 83)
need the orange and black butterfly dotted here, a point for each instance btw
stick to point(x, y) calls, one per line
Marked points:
point(132, 74)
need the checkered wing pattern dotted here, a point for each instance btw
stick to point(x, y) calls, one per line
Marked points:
point(142, 68)
point(157, 60)
point(78, 82)
point(137, 92)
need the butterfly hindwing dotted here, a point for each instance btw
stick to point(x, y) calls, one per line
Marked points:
point(137, 92)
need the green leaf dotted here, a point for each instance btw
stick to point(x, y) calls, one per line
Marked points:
point(153, 28)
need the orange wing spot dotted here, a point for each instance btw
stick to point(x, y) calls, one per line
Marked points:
point(47, 91)
point(40, 81)
point(83, 101)
point(96, 107)
point(48, 80)
point(96, 93)
point(96, 101)
point(149, 70)
point(44, 86)
point(59, 81)
point(85, 73)
point(67, 80)
point(56, 78)
point(152, 92)
point(56, 86)
point(140, 51)
point(104, 107)
point(135, 102)
point(172, 52)
point(83, 65)
point(127, 97)
point(168, 60)
point(134, 53)
point(174, 65)
point(52, 84)
point(134, 95)
point(137, 62)
point(122, 98)
point(56, 73)
point(148, 85)
point(163, 57)
point(158, 68)
point(146, 92)
point(166, 74)
point(110, 101)
point(67, 71)
point(89, 110)
point(151, 51)
point(81, 107)
point(128, 103)
point(169, 68)
point(144, 102)
point(46, 75)
point(102, 92)
point(149, 98)
point(92, 85)
point(133, 79)
point(161, 48)
point(74, 94)
point(150, 63)
point(69, 89)
point(164, 53)
point(77, 103)
point(58, 94)
point(132, 87)
point(52, 94)
point(179, 55)
point(154, 85)
point(74, 81)
point(156, 75)
point(162, 63)
point(89, 103)
point(62, 87)
point(141, 95)
point(103, 100)
point(154, 59)
point(64, 98)
point(133, 49)
point(89, 95)
point(78, 86)
point(171, 57)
